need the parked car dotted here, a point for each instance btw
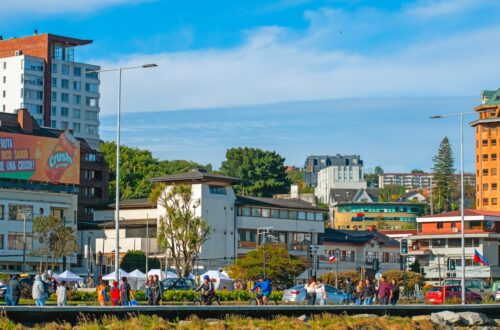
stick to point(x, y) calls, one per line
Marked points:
point(476, 285)
point(297, 294)
point(183, 283)
point(435, 294)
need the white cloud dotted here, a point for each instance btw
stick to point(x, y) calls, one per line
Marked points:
point(44, 7)
point(275, 64)
point(428, 9)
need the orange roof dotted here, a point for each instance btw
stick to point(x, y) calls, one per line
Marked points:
point(467, 213)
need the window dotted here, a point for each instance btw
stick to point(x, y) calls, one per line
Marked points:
point(293, 215)
point(90, 157)
point(53, 96)
point(4, 93)
point(493, 201)
point(54, 82)
point(91, 101)
point(34, 108)
point(300, 241)
point(16, 241)
point(453, 224)
point(76, 127)
point(485, 172)
point(91, 129)
point(318, 216)
point(493, 142)
point(64, 125)
point(53, 123)
point(65, 83)
point(392, 257)
point(92, 88)
point(485, 143)
point(53, 111)
point(494, 186)
point(33, 94)
point(454, 242)
point(275, 214)
point(17, 212)
point(2, 242)
point(485, 201)
point(485, 186)
point(302, 215)
point(370, 255)
point(310, 216)
point(439, 225)
point(255, 212)
point(76, 113)
point(493, 171)
point(77, 71)
point(57, 213)
point(266, 213)
point(65, 69)
point(77, 86)
point(64, 97)
point(33, 65)
point(93, 75)
point(4, 79)
point(2, 212)
point(77, 99)
point(215, 190)
point(244, 211)
point(64, 112)
point(493, 156)
point(29, 79)
point(91, 115)
point(283, 214)
point(54, 68)
point(485, 157)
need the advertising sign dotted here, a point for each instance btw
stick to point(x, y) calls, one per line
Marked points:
point(42, 159)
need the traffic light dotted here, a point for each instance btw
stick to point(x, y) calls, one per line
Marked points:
point(403, 246)
point(376, 265)
point(451, 264)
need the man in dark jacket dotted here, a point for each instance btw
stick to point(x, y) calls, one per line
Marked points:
point(349, 290)
point(15, 290)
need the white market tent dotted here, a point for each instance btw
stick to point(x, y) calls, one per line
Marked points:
point(112, 275)
point(136, 279)
point(68, 276)
point(162, 274)
point(221, 280)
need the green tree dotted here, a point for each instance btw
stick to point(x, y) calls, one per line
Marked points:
point(412, 278)
point(137, 166)
point(281, 267)
point(417, 171)
point(181, 232)
point(55, 239)
point(137, 260)
point(372, 178)
point(443, 177)
point(262, 172)
point(297, 177)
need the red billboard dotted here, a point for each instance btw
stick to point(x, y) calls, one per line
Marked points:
point(38, 158)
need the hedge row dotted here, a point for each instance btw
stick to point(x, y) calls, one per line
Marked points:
point(171, 295)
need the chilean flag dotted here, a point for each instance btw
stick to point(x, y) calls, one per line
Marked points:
point(480, 259)
point(332, 259)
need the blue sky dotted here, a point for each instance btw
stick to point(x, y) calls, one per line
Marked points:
point(310, 72)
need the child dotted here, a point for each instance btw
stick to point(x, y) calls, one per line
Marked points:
point(115, 294)
point(101, 293)
point(61, 294)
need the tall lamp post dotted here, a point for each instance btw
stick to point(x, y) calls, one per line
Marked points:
point(24, 239)
point(265, 232)
point(462, 220)
point(117, 188)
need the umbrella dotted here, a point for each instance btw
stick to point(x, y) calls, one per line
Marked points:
point(112, 276)
point(68, 276)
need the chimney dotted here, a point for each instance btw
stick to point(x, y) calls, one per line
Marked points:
point(24, 120)
point(294, 191)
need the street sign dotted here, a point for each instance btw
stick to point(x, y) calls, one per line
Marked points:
point(378, 276)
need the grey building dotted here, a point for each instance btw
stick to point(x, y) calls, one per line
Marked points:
point(314, 164)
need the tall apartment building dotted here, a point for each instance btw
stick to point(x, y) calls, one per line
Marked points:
point(314, 164)
point(413, 181)
point(39, 73)
point(487, 133)
point(338, 177)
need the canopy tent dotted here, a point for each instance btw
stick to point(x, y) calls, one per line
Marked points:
point(137, 279)
point(171, 274)
point(161, 274)
point(221, 280)
point(112, 276)
point(68, 276)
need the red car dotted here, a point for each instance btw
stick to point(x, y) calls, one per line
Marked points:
point(435, 294)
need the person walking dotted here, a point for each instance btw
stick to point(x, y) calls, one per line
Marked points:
point(349, 291)
point(125, 292)
point(158, 290)
point(394, 297)
point(368, 292)
point(38, 291)
point(101, 293)
point(321, 293)
point(149, 293)
point(383, 291)
point(61, 294)
point(115, 294)
point(310, 288)
point(359, 293)
point(14, 288)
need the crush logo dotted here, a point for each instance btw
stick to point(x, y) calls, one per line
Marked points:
point(60, 159)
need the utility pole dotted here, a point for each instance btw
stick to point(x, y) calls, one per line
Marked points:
point(432, 199)
point(147, 244)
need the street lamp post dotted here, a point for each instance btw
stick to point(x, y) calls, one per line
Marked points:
point(89, 251)
point(24, 241)
point(265, 232)
point(462, 220)
point(117, 187)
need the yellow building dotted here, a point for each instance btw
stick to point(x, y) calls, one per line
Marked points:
point(487, 135)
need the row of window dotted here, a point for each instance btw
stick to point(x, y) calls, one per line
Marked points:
point(486, 201)
point(18, 212)
point(494, 186)
point(259, 212)
point(294, 241)
point(487, 171)
point(487, 157)
point(15, 241)
point(77, 99)
point(379, 209)
point(76, 127)
point(76, 113)
point(404, 219)
point(486, 142)
point(77, 71)
point(77, 85)
point(453, 242)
